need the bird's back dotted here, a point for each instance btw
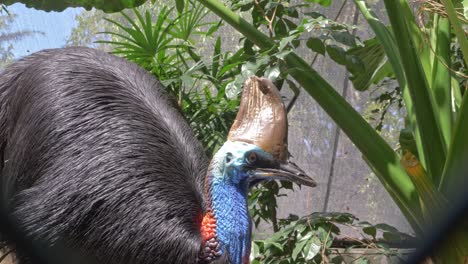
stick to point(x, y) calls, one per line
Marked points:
point(97, 156)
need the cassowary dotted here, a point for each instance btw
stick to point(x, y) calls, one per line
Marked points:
point(97, 157)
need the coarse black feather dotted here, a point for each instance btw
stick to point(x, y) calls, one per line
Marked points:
point(97, 156)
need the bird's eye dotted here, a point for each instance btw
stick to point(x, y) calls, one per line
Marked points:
point(228, 157)
point(251, 158)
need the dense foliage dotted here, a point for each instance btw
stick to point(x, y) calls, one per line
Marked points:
point(107, 5)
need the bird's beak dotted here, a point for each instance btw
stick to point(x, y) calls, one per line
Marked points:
point(284, 171)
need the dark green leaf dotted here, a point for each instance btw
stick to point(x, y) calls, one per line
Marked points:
point(391, 236)
point(280, 28)
point(248, 47)
point(337, 260)
point(387, 227)
point(312, 248)
point(362, 260)
point(286, 41)
point(314, 14)
point(316, 45)
point(370, 230)
point(325, 3)
point(344, 37)
point(365, 63)
point(180, 5)
point(337, 54)
point(298, 249)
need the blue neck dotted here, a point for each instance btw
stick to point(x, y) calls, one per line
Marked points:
point(229, 205)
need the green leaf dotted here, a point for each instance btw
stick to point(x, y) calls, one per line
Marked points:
point(216, 57)
point(298, 249)
point(214, 28)
point(180, 5)
point(255, 249)
point(344, 37)
point(272, 73)
point(322, 233)
point(275, 244)
point(285, 42)
point(386, 227)
point(316, 45)
point(453, 176)
point(370, 59)
point(312, 248)
point(325, 3)
point(234, 88)
point(457, 25)
point(337, 54)
point(337, 260)
point(390, 236)
point(441, 78)
point(362, 260)
point(370, 230)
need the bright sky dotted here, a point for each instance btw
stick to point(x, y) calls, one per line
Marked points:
point(56, 27)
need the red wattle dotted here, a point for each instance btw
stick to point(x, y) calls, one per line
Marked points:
point(208, 226)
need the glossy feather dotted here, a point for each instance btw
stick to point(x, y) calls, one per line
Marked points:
point(97, 156)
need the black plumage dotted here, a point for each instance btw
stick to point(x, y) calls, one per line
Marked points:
point(97, 156)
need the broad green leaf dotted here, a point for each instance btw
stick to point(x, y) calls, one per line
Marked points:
point(275, 244)
point(344, 37)
point(453, 176)
point(316, 45)
point(337, 260)
point(441, 78)
point(362, 260)
point(337, 54)
point(234, 88)
point(390, 236)
point(285, 42)
point(180, 5)
point(272, 73)
point(321, 2)
point(371, 58)
point(370, 230)
point(255, 251)
point(298, 249)
point(312, 248)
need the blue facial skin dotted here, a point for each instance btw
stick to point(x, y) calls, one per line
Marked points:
point(228, 184)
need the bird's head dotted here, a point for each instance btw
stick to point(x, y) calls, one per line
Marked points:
point(256, 151)
point(245, 165)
